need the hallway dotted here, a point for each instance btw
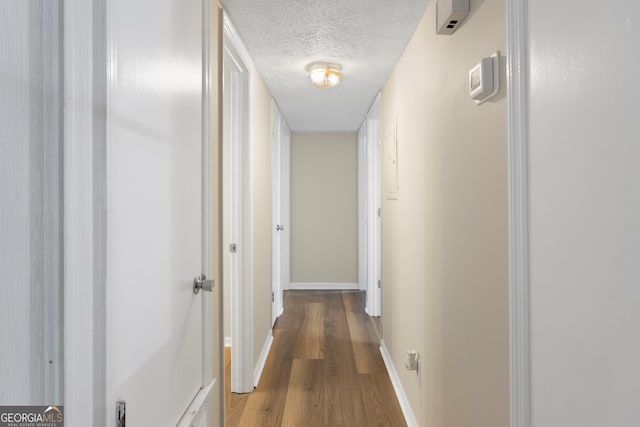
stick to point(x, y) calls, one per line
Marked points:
point(324, 368)
point(499, 240)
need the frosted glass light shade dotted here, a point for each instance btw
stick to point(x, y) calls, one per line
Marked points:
point(324, 75)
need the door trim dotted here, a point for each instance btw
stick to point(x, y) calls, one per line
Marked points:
point(242, 358)
point(199, 411)
point(517, 96)
point(276, 208)
point(369, 205)
point(374, 209)
point(281, 143)
point(362, 205)
point(84, 205)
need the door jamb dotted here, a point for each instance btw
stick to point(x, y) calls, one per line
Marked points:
point(86, 63)
point(517, 124)
point(209, 138)
point(285, 150)
point(375, 206)
point(362, 206)
point(200, 407)
point(370, 205)
point(280, 208)
point(276, 196)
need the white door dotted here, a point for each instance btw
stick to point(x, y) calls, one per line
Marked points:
point(281, 161)
point(154, 321)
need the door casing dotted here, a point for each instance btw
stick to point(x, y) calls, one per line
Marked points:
point(369, 207)
point(281, 244)
point(240, 196)
point(518, 198)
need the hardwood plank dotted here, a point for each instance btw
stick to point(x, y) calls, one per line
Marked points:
point(363, 337)
point(310, 343)
point(313, 391)
point(344, 406)
point(293, 314)
point(265, 405)
point(233, 403)
point(304, 404)
point(376, 320)
point(381, 404)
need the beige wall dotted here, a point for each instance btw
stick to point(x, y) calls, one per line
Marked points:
point(445, 239)
point(324, 207)
point(261, 222)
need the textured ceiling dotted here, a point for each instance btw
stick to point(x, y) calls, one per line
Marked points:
point(365, 36)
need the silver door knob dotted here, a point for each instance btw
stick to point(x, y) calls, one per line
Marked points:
point(201, 282)
point(279, 227)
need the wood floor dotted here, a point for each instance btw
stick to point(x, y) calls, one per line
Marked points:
point(324, 369)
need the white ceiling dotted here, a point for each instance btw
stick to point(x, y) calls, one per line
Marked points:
point(365, 36)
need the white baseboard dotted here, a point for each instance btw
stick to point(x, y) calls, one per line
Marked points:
point(273, 325)
point(227, 341)
point(397, 387)
point(323, 286)
point(262, 359)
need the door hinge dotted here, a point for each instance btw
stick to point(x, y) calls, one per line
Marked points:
point(233, 248)
point(121, 407)
point(273, 297)
point(378, 212)
point(379, 284)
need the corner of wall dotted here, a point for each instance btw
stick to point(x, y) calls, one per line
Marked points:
point(403, 400)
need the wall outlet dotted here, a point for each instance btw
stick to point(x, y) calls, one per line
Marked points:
point(412, 361)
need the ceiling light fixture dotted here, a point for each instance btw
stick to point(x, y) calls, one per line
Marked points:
point(324, 74)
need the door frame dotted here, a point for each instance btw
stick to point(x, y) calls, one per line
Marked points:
point(281, 201)
point(242, 343)
point(369, 208)
point(87, 62)
point(517, 159)
point(203, 403)
point(84, 204)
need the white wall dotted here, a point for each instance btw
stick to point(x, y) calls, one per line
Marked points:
point(584, 147)
point(444, 240)
point(324, 207)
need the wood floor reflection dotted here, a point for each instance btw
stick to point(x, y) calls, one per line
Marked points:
point(324, 369)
